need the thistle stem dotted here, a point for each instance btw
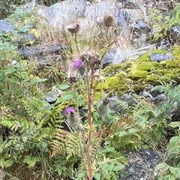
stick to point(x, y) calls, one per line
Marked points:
point(90, 102)
point(76, 43)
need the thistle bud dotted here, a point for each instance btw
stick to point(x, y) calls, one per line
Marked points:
point(73, 118)
point(103, 108)
point(73, 28)
point(108, 21)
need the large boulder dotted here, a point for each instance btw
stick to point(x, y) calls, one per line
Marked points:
point(61, 14)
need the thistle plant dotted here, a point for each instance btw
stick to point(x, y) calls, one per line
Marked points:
point(85, 65)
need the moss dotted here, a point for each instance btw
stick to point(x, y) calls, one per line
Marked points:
point(153, 78)
point(112, 82)
point(138, 87)
point(146, 57)
point(172, 63)
point(147, 66)
point(121, 75)
point(98, 95)
point(119, 83)
point(174, 74)
point(135, 72)
point(138, 73)
point(176, 52)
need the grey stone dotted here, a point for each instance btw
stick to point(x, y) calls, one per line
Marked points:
point(160, 57)
point(141, 165)
point(61, 14)
point(44, 54)
point(109, 58)
point(115, 102)
point(141, 25)
point(6, 27)
point(175, 34)
point(25, 38)
point(121, 19)
point(2, 174)
point(53, 95)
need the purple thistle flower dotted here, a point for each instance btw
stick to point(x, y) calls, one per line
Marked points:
point(69, 110)
point(77, 63)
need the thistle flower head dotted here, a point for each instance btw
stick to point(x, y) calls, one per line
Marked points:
point(77, 63)
point(91, 57)
point(108, 21)
point(73, 28)
point(69, 110)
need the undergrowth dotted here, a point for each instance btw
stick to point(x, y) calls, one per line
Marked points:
point(78, 136)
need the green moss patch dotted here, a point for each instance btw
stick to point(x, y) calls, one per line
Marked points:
point(139, 73)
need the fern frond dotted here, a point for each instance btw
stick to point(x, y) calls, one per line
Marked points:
point(54, 118)
point(122, 104)
point(66, 144)
point(11, 124)
point(33, 107)
point(15, 123)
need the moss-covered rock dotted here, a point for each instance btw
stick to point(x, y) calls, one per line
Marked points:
point(119, 83)
point(139, 73)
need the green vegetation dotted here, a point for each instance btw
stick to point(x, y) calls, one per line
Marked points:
point(163, 23)
point(33, 141)
point(8, 6)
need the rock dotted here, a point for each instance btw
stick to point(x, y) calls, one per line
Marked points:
point(141, 165)
point(28, 7)
point(25, 39)
point(61, 14)
point(96, 12)
point(175, 115)
point(116, 56)
point(140, 33)
point(121, 19)
point(109, 58)
point(115, 102)
point(128, 98)
point(6, 27)
point(160, 98)
point(131, 4)
point(44, 54)
point(174, 35)
point(124, 52)
point(130, 16)
point(2, 174)
point(142, 26)
point(164, 44)
point(53, 95)
point(160, 57)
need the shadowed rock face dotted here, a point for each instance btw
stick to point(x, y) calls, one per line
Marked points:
point(44, 54)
